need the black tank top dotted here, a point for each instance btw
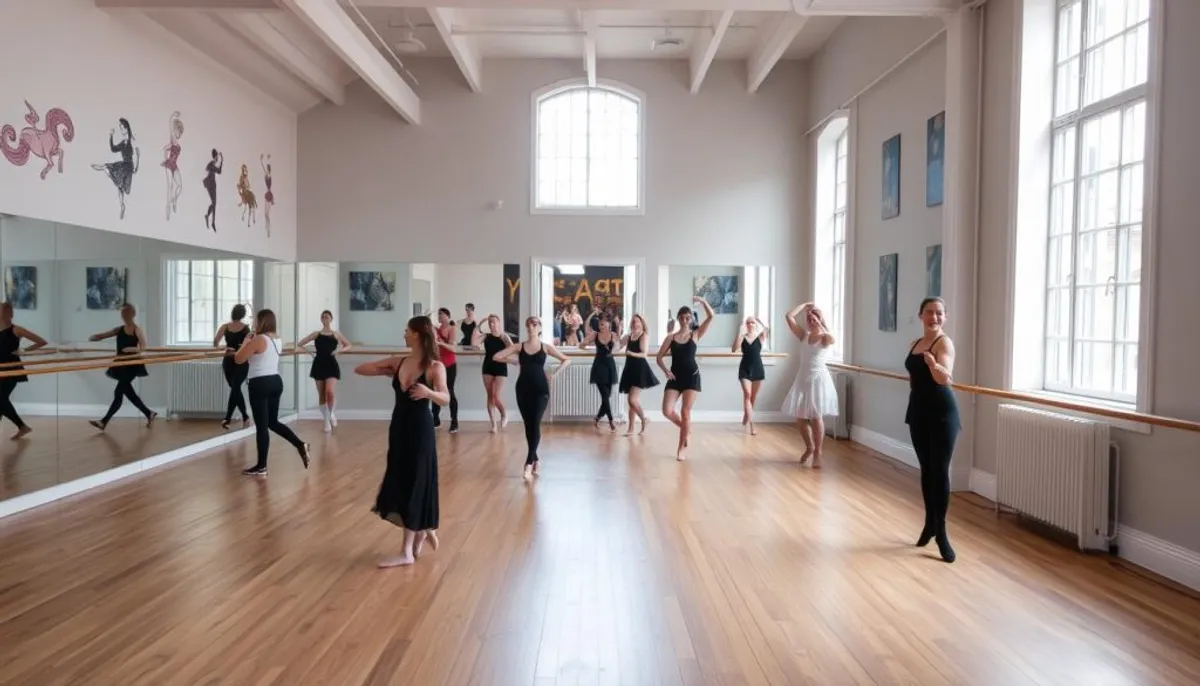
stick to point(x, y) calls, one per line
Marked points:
point(325, 344)
point(752, 352)
point(683, 359)
point(635, 345)
point(604, 350)
point(10, 343)
point(532, 379)
point(492, 344)
point(234, 339)
point(468, 332)
point(125, 340)
point(928, 400)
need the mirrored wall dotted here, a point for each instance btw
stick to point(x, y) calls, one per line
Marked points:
point(735, 293)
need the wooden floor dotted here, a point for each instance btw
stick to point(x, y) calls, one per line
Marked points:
point(618, 566)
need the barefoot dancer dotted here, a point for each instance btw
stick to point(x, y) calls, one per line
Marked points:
point(813, 395)
point(637, 375)
point(408, 494)
point(683, 378)
point(10, 358)
point(750, 370)
point(492, 338)
point(533, 386)
point(604, 367)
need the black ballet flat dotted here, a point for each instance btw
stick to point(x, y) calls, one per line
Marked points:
point(255, 471)
point(944, 549)
point(926, 536)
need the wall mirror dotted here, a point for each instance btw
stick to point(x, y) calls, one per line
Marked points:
point(569, 295)
point(734, 292)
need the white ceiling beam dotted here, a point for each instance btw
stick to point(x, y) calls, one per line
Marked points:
point(464, 53)
point(260, 32)
point(767, 54)
point(202, 5)
point(896, 8)
point(587, 19)
point(342, 35)
point(705, 51)
point(877, 8)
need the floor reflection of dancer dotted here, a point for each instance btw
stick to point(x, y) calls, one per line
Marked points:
point(533, 386)
point(447, 333)
point(813, 396)
point(604, 367)
point(408, 495)
point(171, 163)
point(325, 372)
point(234, 332)
point(637, 375)
point(211, 170)
point(683, 378)
point(751, 373)
point(131, 341)
point(10, 358)
point(261, 350)
point(492, 338)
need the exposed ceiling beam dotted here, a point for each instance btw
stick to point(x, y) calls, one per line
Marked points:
point(877, 8)
point(704, 51)
point(260, 32)
point(204, 5)
point(768, 52)
point(469, 61)
point(830, 7)
point(587, 19)
point(338, 30)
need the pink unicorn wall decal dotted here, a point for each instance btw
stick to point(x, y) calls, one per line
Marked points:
point(42, 143)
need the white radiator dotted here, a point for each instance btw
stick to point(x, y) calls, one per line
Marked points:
point(573, 396)
point(198, 389)
point(1058, 470)
point(839, 426)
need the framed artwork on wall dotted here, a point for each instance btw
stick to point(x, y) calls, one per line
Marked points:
point(891, 177)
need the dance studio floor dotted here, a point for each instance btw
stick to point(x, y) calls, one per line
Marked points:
point(618, 566)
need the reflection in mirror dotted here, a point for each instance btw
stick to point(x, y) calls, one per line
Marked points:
point(735, 293)
point(572, 298)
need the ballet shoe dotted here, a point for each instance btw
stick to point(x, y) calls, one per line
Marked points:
point(944, 549)
point(926, 536)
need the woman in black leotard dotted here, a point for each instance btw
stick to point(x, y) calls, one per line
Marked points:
point(751, 373)
point(10, 358)
point(408, 495)
point(467, 325)
point(234, 332)
point(533, 386)
point(933, 419)
point(604, 367)
point(683, 378)
point(636, 375)
point(131, 341)
point(492, 338)
point(325, 372)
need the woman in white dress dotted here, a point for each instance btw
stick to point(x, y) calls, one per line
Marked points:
point(813, 396)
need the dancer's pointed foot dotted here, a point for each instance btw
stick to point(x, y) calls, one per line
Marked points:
point(804, 458)
point(397, 561)
point(22, 433)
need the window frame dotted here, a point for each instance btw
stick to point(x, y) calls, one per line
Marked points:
point(170, 299)
point(824, 277)
point(558, 88)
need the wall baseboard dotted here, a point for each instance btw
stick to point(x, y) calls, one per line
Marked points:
point(1161, 557)
point(91, 410)
point(702, 417)
point(983, 483)
point(897, 450)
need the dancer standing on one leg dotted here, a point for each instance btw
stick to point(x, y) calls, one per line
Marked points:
point(683, 378)
point(10, 346)
point(261, 350)
point(533, 386)
point(447, 333)
point(750, 370)
point(813, 396)
point(325, 368)
point(933, 419)
point(408, 494)
point(637, 375)
point(131, 341)
point(492, 338)
point(234, 332)
point(604, 367)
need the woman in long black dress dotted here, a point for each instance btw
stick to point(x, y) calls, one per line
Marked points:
point(637, 375)
point(10, 358)
point(326, 371)
point(751, 373)
point(234, 332)
point(131, 341)
point(683, 378)
point(408, 495)
point(533, 386)
point(604, 367)
point(492, 337)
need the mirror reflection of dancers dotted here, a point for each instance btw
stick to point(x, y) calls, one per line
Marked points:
point(326, 371)
point(572, 322)
point(604, 367)
point(234, 332)
point(120, 141)
point(171, 163)
point(10, 358)
point(269, 196)
point(533, 386)
point(447, 333)
point(636, 375)
point(467, 325)
point(750, 370)
point(813, 395)
point(131, 341)
point(211, 170)
point(408, 494)
point(261, 350)
point(933, 419)
point(492, 338)
point(683, 378)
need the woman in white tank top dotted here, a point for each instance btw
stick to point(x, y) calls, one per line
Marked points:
point(261, 350)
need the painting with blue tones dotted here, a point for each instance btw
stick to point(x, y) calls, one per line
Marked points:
point(891, 177)
point(105, 288)
point(721, 292)
point(935, 155)
point(933, 271)
point(372, 291)
point(888, 268)
point(20, 287)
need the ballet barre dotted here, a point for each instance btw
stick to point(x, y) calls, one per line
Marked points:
point(569, 352)
point(1111, 413)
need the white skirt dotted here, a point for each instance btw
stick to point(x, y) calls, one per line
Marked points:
point(813, 395)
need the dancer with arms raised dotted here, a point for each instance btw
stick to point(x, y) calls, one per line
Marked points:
point(813, 396)
point(636, 376)
point(751, 372)
point(683, 378)
point(533, 386)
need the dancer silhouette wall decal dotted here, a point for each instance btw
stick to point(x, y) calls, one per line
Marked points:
point(170, 162)
point(121, 142)
point(214, 167)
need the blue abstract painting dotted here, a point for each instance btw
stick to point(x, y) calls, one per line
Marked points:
point(891, 177)
point(888, 271)
point(933, 271)
point(935, 155)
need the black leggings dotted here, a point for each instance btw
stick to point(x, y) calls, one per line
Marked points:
point(7, 386)
point(265, 392)
point(532, 407)
point(235, 376)
point(451, 375)
point(124, 390)
point(934, 444)
point(605, 407)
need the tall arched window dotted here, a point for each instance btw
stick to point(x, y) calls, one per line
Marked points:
point(832, 201)
point(587, 149)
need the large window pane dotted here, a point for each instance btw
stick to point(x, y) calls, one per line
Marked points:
point(591, 159)
point(1070, 30)
point(1066, 96)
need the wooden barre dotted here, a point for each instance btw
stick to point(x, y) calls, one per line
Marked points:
point(124, 361)
point(476, 352)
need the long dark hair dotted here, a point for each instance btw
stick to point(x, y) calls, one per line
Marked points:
point(423, 327)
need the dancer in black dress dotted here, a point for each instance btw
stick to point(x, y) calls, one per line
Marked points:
point(683, 378)
point(10, 361)
point(604, 367)
point(492, 338)
point(131, 341)
point(467, 325)
point(408, 495)
point(210, 184)
point(261, 352)
point(751, 373)
point(933, 419)
point(637, 375)
point(533, 386)
point(325, 371)
point(234, 332)
point(120, 141)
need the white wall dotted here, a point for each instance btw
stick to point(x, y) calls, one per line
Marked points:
point(481, 284)
point(98, 67)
